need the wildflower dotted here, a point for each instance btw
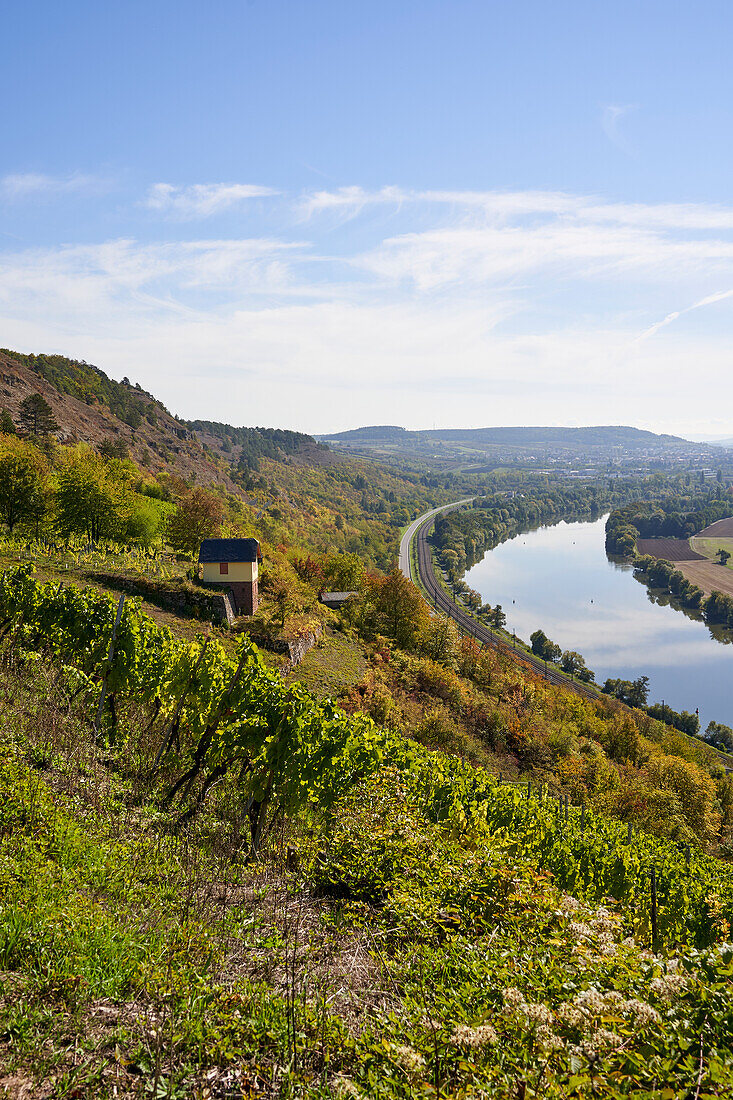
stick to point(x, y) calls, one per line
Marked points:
point(590, 1002)
point(605, 1040)
point(536, 1013)
point(642, 1012)
point(547, 1039)
point(579, 930)
point(604, 925)
point(344, 1086)
point(667, 986)
point(570, 904)
point(484, 1035)
point(571, 1015)
point(606, 944)
point(411, 1061)
point(513, 998)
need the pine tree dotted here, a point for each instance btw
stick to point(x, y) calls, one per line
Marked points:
point(35, 416)
point(7, 427)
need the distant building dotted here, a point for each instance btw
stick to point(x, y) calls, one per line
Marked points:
point(234, 563)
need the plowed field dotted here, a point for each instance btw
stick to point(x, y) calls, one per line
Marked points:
point(709, 575)
point(669, 549)
point(721, 529)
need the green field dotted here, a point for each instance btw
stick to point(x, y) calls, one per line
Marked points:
point(709, 547)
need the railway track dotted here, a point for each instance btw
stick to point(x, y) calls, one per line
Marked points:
point(468, 625)
point(442, 602)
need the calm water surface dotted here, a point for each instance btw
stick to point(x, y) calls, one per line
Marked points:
point(562, 582)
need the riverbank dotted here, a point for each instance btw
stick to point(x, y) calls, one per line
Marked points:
point(559, 579)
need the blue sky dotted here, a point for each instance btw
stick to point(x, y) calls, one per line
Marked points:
point(323, 214)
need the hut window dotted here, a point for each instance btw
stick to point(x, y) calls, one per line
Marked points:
point(223, 566)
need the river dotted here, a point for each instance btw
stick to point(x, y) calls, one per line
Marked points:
point(559, 579)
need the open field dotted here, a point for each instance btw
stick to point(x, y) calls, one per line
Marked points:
point(709, 547)
point(669, 549)
point(721, 529)
point(708, 575)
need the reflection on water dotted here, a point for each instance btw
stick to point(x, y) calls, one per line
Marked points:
point(560, 579)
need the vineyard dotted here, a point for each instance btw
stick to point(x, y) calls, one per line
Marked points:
point(453, 879)
point(222, 714)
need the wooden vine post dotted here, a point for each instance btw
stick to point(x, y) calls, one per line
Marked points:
point(108, 665)
point(653, 885)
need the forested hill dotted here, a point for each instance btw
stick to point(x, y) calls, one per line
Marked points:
point(597, 436)
point(92, 408)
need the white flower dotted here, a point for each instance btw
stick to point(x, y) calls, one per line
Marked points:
point(605, 1039)
point(513, 998)
point(344, 1086)
point(537, 1014)
point(484, 1035)
point(570, 904)
point(604, 925)
point(410, 1060)
point(667, 986)
point(642, 1012)
point(579, 930)
point(547, 1039)
point(590, 1002)
point(571, 1015)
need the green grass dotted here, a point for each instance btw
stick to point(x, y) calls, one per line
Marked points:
point(389, 949)
point(709, 547)
point(332, 666)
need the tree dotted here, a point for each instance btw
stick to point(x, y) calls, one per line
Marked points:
point(142, 524)
point(89, 499)
point(722, 555)
point(498, 617)
point(344, 572)
point(574, 663)
point(22, 482)
point(35, 416)
point(439, 639)
point(632, 692)
point(400, 606)
point(199, 516)
point(543, 648)
point(7, 427)
point(282, 598)
point(719, 735)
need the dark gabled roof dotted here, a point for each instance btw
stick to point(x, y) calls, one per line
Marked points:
point(332, 599)
point(214, 550)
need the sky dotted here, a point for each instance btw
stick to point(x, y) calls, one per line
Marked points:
point(320, 214)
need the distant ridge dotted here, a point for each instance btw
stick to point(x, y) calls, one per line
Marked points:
point(597, 436)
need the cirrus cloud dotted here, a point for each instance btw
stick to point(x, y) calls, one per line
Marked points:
point(202, 200)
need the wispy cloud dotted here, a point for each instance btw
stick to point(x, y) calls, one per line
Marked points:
point(491, 306)
point(202, 200)
point(711, 299)
point(611, 122)
point(33, 184)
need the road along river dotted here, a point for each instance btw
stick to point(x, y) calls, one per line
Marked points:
point(559, 579)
